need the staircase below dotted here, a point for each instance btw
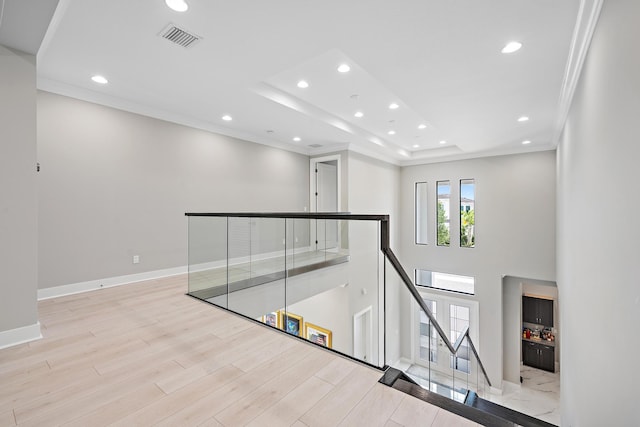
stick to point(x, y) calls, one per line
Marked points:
point(471, 407)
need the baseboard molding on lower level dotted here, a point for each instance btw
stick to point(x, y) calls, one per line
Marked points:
point(20, 335)
point(92, 285)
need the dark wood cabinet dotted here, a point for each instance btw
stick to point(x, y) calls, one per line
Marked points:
point(547, 358)
point(529, 354)
point(538, 356)
point(537, 310)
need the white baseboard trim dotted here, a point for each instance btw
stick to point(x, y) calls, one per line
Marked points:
point(92, 285)
point(495, 391)
point(20, 335)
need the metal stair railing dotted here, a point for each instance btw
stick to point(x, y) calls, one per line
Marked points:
point(453, 347)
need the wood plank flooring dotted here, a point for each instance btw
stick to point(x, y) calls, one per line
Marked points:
point(146, 354)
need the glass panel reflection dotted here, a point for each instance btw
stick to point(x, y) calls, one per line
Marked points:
point(207, 269)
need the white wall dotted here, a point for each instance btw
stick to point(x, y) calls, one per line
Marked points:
point(598, 200)
point(511, 328)
point(373, 189)
point(515, 234)
point(329, 310)
point(18, 200)
point(115, 184)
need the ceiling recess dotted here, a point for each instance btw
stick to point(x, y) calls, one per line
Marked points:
point(179, 36)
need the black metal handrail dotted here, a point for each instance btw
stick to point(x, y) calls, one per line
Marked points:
point(297, 215)
point(453, 347)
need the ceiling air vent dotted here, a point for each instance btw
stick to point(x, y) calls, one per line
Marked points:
point(179, 36)
point(315, 145)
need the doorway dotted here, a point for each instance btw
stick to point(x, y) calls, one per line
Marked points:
point(453, 315)
point(325, 197)
point(362, 339)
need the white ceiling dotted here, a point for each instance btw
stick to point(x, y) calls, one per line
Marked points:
point(23, 26)
point(439, 60)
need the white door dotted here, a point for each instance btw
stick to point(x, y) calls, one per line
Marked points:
point(362, 329)
point(326, 195)
point(453, 315)
point(326, 187)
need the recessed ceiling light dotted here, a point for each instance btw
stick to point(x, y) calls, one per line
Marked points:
point(177, 5)
point(443, 142)
point(526, 142)
point(100, 79)
point(302, 84)
point(422, 126)
point(344, 68)
point(297, 139)
point(227, 118)
point(416, 145)
point(359, 114)
point(512, 47)
point(393, 106)
point(392, 132)
point(523, 119)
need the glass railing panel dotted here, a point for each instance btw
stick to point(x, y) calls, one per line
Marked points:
point(257, 265)
point(482, 389)
point(461, 367)
point(414, 345)
point(339, 304)
point(207, 256)
point(472, 382)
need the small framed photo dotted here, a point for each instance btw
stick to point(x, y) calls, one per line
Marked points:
point(291, 323)
point(317, 334)
point(271, 319)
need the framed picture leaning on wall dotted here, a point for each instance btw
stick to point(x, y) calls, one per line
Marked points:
point(271, 319)
point(291, 323)
point(317, 335)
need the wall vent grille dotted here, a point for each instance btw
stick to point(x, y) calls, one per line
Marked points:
point(179, 36)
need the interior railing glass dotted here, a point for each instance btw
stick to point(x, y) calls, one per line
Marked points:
point(316, 276)
point(446, 362)
point(332, 279)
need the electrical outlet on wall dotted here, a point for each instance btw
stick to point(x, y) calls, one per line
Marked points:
point(136, 259)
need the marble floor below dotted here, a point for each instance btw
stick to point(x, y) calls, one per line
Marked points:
point(537, 396)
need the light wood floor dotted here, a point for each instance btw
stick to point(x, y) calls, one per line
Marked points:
point(146, 354)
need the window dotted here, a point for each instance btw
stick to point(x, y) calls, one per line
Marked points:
point(467, 213)
point(445, 282)
point(442, 224)
point(421, 213)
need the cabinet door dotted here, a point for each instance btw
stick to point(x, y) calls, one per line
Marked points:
point(529, 310)
point(545, 312)
point(538, 311)
point(547, 358)
point(530, 354)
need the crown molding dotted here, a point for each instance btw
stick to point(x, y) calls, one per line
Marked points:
point(122, 104)
point(586, 21)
